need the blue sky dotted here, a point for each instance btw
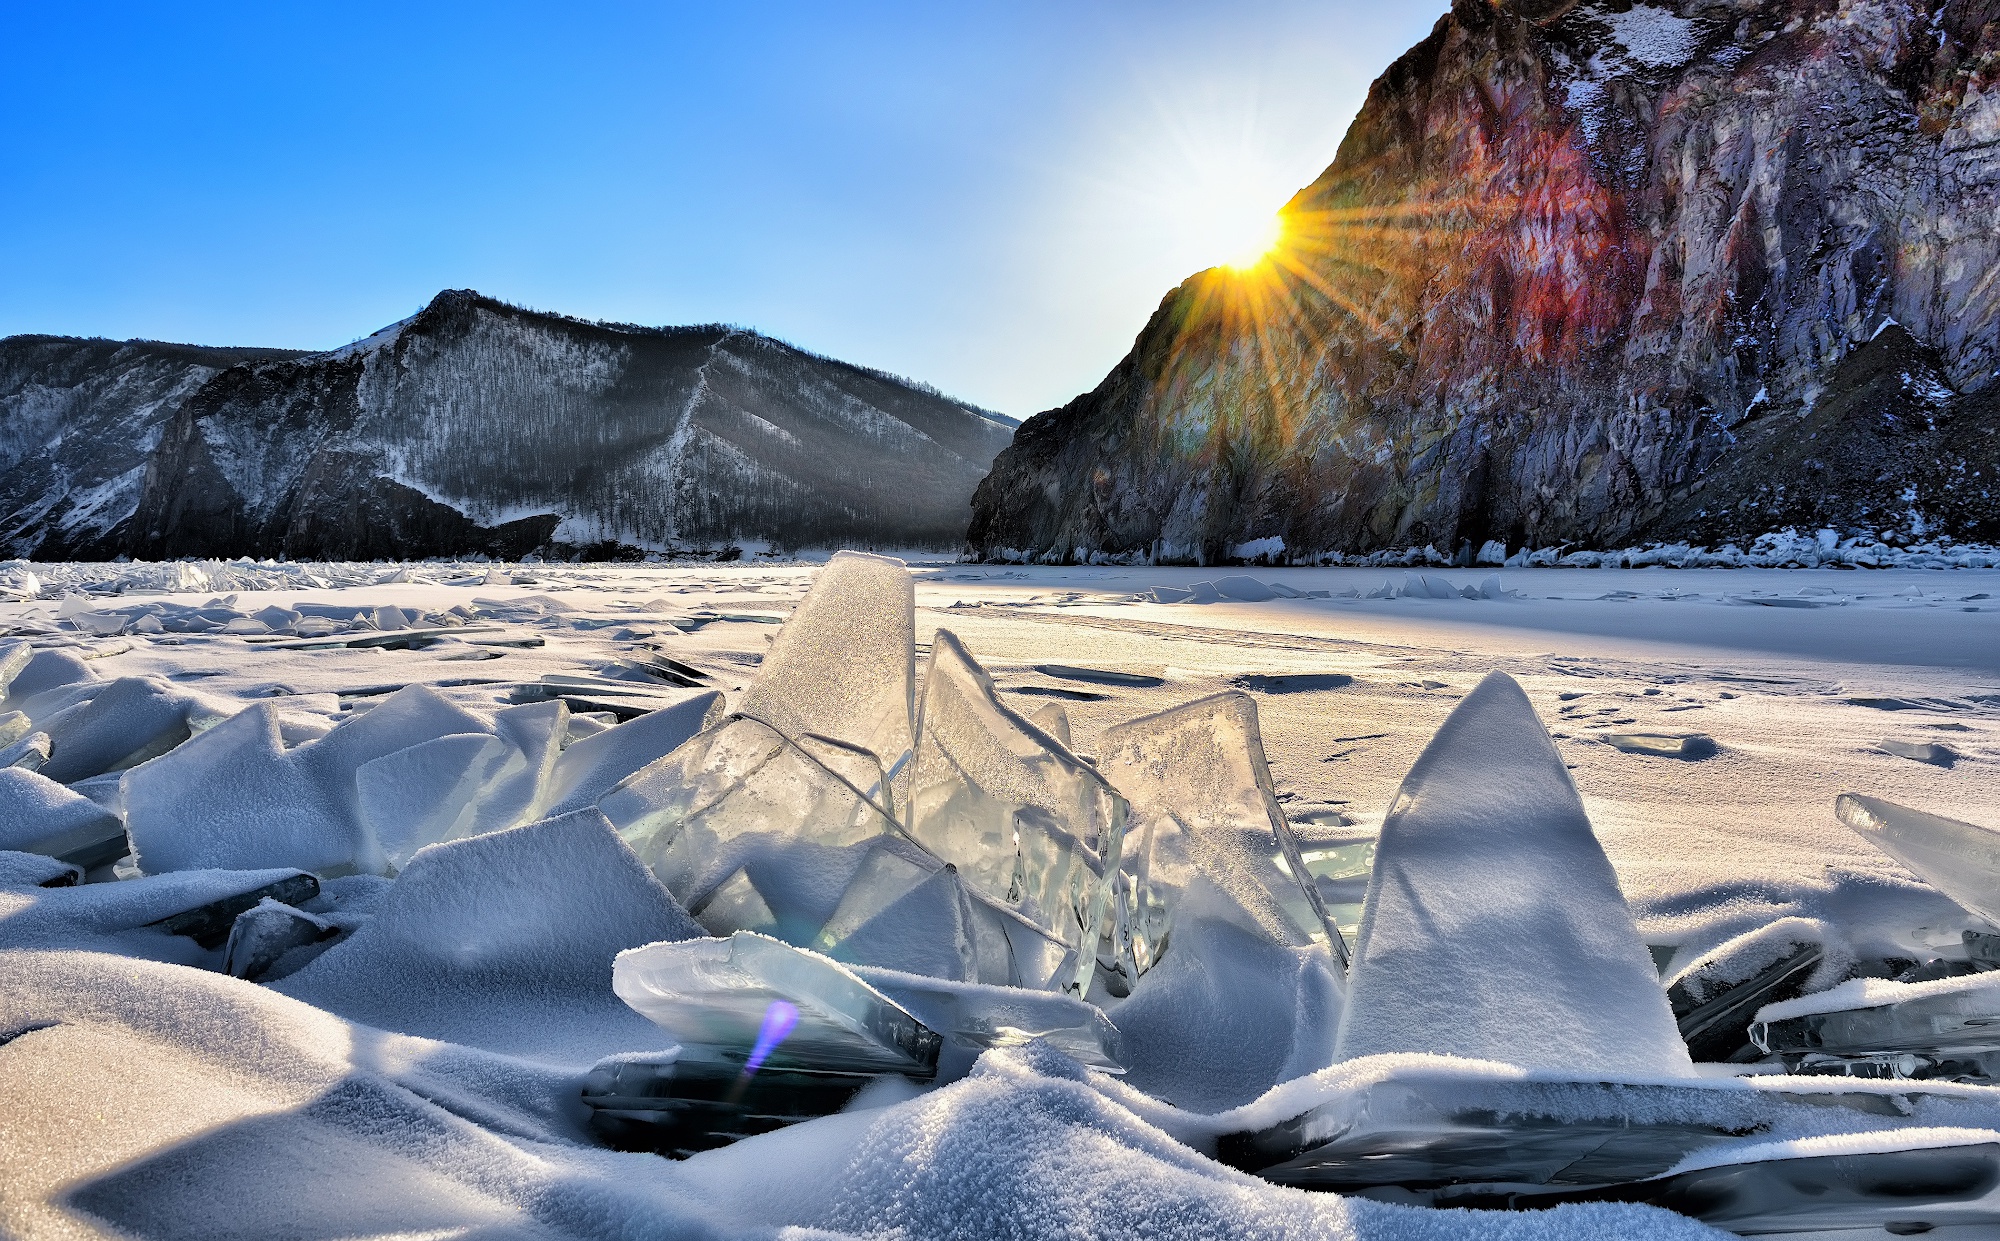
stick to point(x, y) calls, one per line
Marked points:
point(988, 197)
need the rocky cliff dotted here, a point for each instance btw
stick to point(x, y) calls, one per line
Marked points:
point(475, 427)
point(1583, 274)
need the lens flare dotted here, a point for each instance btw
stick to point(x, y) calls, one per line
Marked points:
point(780, 1019)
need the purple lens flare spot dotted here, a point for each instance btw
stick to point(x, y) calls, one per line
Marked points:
point(779, 1021)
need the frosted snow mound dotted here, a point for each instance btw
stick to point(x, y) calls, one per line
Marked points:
point(505, 941)
point(1494, 927)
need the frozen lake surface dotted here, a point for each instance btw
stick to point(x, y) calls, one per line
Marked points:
point(142, 1089)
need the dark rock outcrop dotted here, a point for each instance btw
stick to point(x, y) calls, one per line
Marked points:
point(1584, 274)
point(475, 427)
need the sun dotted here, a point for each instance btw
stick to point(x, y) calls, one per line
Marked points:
point(1249, 241)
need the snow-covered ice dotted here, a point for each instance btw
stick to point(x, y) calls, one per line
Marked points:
point(436, 998)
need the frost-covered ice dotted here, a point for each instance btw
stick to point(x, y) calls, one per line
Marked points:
point(1495, 929)
point(438, 995)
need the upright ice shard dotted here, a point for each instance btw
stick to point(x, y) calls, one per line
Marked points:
point(1202, 802)
point(1026, 822)
point(1961, 860)
point(842, 666)
point(1495, 929)
point(714, 997)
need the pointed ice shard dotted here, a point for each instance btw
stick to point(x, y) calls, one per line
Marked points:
point(1054, 721)
point(714, 997)
point(1026, 822)
point(1495, 929)
point(841, 668)
point(1202, 803)
point(1961, 860)
point(736, 905)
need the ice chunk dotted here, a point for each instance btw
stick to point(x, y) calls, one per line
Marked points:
point(264, 933)
point(30, 752)
point(1244, 589)
point(741, 791)
point(1495, 929)
point(209, 924)
point(1961, 860)
point(1662, 745)
point(518, 795)
point(1450, 1135)
point(1921, 751)
point(972, 1019)
point(1715, 997)
point(44, 672)
point(1054, 721)
point(842, 666)
point(14, 725)
point(593, 765)
point(903, 910)
point(663, 1104)
point(1948, 1029)
point(1888, 1184)
point(430, 792)
point(234, 797)
point(714, 996)
point(37, 815)
point(14, 657)
point(1202, 802)
point(33, 870)
point(1100, 676)
point(124, 724)
point(1026, 822)
point(504, 941)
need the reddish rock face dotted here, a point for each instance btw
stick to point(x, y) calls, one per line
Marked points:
point(1581, 274)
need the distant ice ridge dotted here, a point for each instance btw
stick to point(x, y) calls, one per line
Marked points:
point(1785, 549)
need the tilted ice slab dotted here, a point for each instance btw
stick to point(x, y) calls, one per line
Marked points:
point(1026, 822)
point(1495, 929)
point(1202, 803)
point(1961, 860)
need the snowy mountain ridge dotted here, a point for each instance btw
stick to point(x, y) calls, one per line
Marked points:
point(475, 427)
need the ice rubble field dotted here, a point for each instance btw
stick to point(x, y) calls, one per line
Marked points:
point(413, 1060)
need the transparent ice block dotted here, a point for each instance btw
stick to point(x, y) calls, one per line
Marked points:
point(1961, 860)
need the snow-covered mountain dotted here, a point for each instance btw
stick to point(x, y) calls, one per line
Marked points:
point(475, 426)
point(1582, 274)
